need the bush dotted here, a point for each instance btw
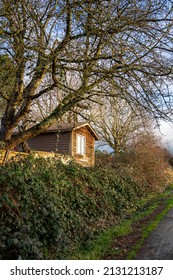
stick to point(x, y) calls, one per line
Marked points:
point(148, 160)
point(47, 209)
point(145, 160)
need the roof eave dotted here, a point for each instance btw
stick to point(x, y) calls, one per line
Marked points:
point(89, 128)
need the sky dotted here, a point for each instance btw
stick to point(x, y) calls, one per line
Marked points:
point(166, 133)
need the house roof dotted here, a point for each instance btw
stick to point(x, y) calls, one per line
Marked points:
point(72, 126)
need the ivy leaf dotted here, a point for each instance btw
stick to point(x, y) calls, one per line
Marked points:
point(15, 241)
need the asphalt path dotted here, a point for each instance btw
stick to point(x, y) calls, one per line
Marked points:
point(159, 244)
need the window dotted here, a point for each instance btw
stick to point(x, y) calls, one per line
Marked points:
point(80, 144)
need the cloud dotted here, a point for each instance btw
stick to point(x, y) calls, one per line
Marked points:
point(166, 133)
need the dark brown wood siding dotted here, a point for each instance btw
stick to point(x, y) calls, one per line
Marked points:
point(64, 143)
point(89, 158)
point(50, 142)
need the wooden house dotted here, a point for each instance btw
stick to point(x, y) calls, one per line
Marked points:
point(76, 140)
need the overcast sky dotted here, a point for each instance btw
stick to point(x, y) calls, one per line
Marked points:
point(166, 130)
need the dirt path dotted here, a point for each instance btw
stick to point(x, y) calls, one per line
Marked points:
point(159, 244)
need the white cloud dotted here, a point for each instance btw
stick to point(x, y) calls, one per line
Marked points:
point(166, 132)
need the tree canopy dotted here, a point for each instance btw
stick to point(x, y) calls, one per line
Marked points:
point(125, 45)
point(118, 125)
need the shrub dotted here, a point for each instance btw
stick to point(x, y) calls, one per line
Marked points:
point(145, 160)
point(149, 162)
point(47, 209)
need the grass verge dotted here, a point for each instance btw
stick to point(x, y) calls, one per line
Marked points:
point(124, 240)
point(148, 229)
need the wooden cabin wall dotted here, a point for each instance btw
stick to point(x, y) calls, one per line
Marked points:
point(65, 143)
point(89, 158)
point(49, 142)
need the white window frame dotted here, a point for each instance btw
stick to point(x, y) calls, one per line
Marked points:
point(80, 144)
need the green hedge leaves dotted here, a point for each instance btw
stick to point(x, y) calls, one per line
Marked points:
point(48, 209)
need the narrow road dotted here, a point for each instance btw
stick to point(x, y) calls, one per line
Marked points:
point(159, 244)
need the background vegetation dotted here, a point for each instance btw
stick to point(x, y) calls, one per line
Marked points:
point(48, 209)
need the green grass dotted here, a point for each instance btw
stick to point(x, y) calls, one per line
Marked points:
point(103, 243)
point(147, 230)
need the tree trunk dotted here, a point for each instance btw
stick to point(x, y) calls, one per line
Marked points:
point(5, 159)
point(25, 147)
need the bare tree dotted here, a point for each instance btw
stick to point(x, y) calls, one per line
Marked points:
point(117, 123)
point(7, 78)
point(123, 44)
point(45, 104)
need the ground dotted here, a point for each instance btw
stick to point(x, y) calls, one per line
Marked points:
point(127, 246)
